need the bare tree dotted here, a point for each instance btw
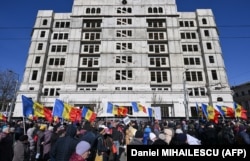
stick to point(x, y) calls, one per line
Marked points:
point(8, 82)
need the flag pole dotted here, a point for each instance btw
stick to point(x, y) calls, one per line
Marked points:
point(24, 128)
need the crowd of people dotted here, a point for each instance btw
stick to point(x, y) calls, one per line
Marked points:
point(106, 140)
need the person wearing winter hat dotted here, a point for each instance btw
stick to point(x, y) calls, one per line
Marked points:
point(82, 151)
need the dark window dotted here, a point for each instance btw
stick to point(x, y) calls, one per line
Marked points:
point(88, 10)
point(204, 21)
point(45, 22)
point(181, 24)
point(98, 10)
point(211, 59)
point(34, 75)
point(214, 75)
point(209, 46)
point(206, 32)
point(51, 61)
point(37, 60)
point(160, 10)
point(42, 34)
point(40, 46)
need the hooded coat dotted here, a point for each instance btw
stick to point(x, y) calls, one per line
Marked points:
point(65, 146)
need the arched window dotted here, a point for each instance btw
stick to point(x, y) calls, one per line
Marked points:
point(93, 10)
point(204, 21)
point(98, 10)
point(155, 10)
point(45, 22)
point(150, 10)
point(88, 10)
point(160, 10)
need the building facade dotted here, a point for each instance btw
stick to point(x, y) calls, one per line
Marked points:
point(242, 95)
point(124, 51)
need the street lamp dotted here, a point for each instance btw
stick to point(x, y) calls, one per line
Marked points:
point(185, 95)
point(14, 97)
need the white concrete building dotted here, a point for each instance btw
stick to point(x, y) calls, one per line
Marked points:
point(121, 51)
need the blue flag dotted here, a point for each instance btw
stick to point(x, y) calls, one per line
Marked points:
point(110, 108)
point(27, 106)
point(58, 108)
point(135, 106)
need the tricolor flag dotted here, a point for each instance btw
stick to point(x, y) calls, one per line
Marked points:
point(2, 117)
point(240, 112)
point(71, 113)
point(210, 113)
point(138, 107)
point(226, 111)
point(27, 106)
point(88, 114)
point(41, 111)
point(58, 108)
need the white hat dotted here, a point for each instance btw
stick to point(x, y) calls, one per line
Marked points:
point(82, 147)
point(152, 136)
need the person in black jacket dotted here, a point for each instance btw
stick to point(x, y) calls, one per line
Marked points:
point(65, 146)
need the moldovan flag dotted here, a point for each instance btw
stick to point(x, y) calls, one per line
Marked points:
point(240, 112)
point(226, 111)
point(58, 108)
point(88, 114)
point(2, 117)
point(71, 113)
point(27, 106)
point(138, 107)
point(210, 113)
point(41, 111)
point(122, 111)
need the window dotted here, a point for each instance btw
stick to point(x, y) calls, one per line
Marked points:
point(206, 32)
point(62, 24)
point(204, 21)
point(214, 75)
point(59, 48)
point(196, 92)
point(91, 36)
point(189, 48)
point(123, 59)
point(123, 33)
point(156, 35)
point(157, 48)
point(155, 10)
point(150, 10)
point(88, 76)
point(93, 10)
point(188, 35)
point(211, 59)
point(54, 76)
point(124, 10)
point(90, 48)
point(124, 21)
point(193, 76)
point(209, 45)
point(40, 46)
point(192, 61)
point(42, 34)
point(45, 22)
point(90, 62)
point(156, 23)
point(57, 61)
point(34, 75)
point(51, 91)
point(158, 62)
point(92, 24)
point(88, 10)
point(123, 75)
point(123, 46)
point(60, 36)
point(186, 23)
point(37, 59)
point(158, 76)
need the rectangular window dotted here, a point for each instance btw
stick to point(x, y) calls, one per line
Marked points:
point(54, 76)
point(37, 59)
point(59, 48)
point(123, 46)
point(209, 45)
point(189, 48)
point(62, 24)
point(156, 48)
point(188, 35)
point(89, 76)
point(193, 76)
point(214, 75)
point(123, 33)
point(40, 46)
point(158, 76)
point(124, 21)
point(206, 32)
point(90, 48)
point(191, 61)
point(34, 75)
point(211, 59)
point(123, 75)
point(42, 34)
